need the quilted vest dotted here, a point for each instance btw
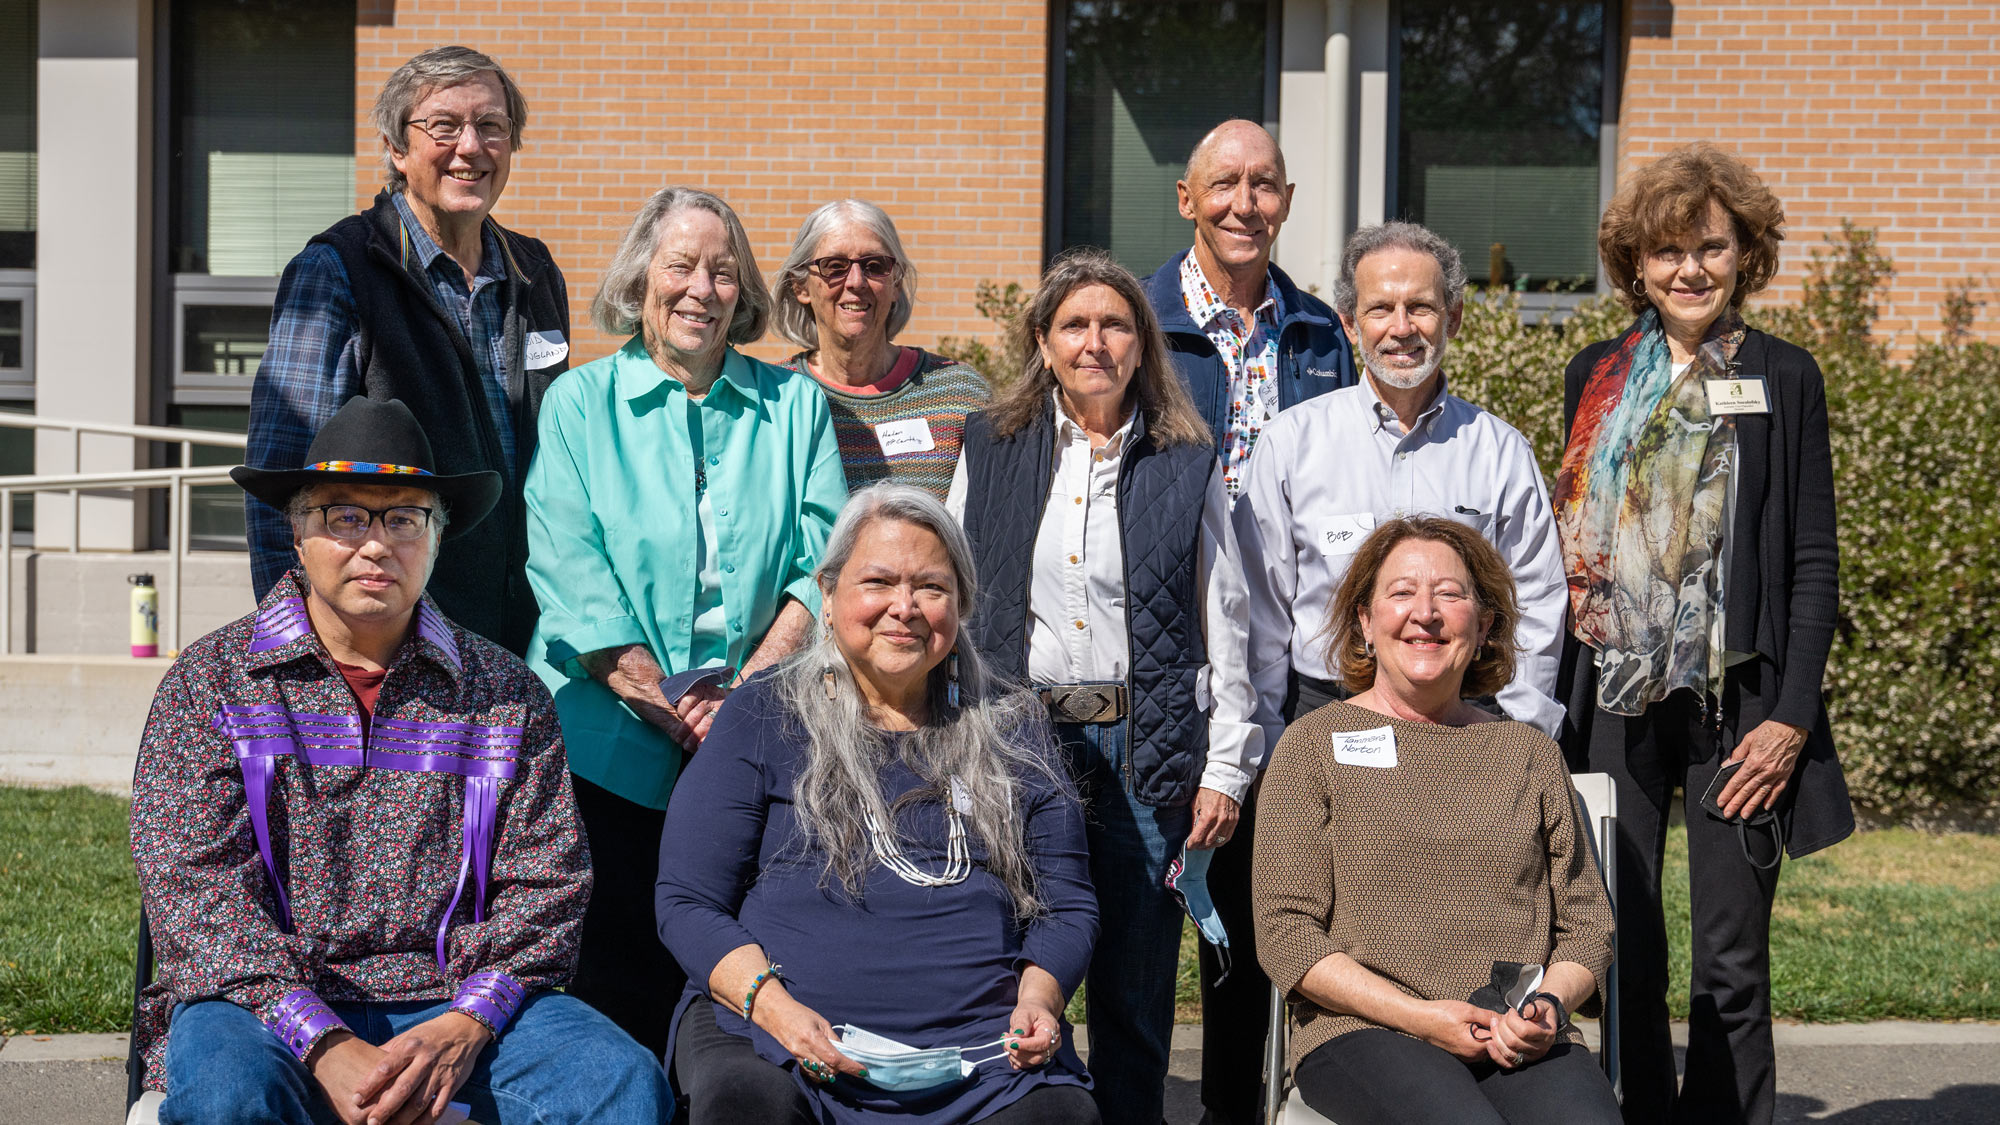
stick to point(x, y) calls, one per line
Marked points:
point(1160, 498)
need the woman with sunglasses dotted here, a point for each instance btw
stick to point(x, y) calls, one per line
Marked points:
point(842, 294)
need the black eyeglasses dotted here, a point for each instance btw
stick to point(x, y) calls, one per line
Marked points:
point(446, 130)
point(832, 269)
point(351, 521)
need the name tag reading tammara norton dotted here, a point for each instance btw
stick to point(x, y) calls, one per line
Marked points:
point(543, 348)
point(1737, 396)
point(911, 435)
point(1375, 749)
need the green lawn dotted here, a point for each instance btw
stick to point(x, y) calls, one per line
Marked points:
point(69, 912)
point(1892, 924)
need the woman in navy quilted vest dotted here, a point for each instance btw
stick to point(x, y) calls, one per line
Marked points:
point(1111, 582)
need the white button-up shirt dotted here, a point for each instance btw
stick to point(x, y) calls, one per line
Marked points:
point(1076, 597)
point(1327, 470)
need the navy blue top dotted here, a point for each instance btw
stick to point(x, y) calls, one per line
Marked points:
point(926, 966)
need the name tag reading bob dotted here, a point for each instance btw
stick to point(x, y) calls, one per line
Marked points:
point(1736, 396)
point(911, 435)
point(1375, 749)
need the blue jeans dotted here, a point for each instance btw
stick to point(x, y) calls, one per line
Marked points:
point(1130, 987)
point(559, 1062)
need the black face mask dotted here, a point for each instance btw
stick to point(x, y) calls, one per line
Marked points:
point(1764, 819)
point(1513, 987)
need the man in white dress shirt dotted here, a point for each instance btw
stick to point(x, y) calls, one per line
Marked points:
point(1326, 471)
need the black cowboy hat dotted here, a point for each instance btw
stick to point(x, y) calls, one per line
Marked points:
point(370, 442)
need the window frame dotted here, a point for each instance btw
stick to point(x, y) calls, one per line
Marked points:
point(1540, 306)
point(17, 384)
point(205, 388)
point(1055, 134)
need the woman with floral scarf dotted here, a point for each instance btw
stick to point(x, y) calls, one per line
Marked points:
point(1695, 505)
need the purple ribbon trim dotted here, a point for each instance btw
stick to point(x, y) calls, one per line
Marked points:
point(493, 998)
point(432, 627)
point(263, 732)
point(299, 1019)
point(281, 623)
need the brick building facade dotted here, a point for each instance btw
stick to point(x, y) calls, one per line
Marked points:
point(160, 160)
point(1885, 112)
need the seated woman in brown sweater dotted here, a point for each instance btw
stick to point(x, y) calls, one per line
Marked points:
point(1410, 843)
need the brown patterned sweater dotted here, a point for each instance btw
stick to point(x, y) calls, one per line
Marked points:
point(1466, 851)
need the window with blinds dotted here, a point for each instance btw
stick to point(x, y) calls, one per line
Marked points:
point(1500, 105)
point(1143, 81)
point(19, 36)
point(262, 130)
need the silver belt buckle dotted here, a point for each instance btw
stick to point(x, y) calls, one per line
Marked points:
point(1084, 703)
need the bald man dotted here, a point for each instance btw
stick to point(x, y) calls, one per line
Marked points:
point(1248, 344)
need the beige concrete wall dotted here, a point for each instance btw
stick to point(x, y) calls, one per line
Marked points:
point(82, 604)
point(74, 720)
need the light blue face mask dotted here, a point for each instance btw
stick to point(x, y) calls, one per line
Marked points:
point(1187, 878)
point(899, 1066)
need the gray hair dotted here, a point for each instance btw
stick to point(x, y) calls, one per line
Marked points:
point(299, 508)
point(436, 69)
point(1398, 235)
point(993, 744)
point(621, 297)
point(794, 320)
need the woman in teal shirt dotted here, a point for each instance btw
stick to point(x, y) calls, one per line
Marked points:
point(677, 507)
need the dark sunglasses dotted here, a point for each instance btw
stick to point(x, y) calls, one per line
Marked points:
point(875, 266)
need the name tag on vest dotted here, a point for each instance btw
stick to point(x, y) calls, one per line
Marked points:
point(1736, 396)
point(543, 348)
point(911, 435)
point(1375, 749)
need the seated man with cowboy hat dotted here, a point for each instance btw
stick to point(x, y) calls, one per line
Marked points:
point(355, 835)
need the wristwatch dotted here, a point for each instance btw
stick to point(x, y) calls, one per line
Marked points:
point(1562, 1013)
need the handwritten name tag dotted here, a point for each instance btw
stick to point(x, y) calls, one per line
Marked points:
point(1736, 396)
point(543, 348)
point(1341, 535)
point(1375, 749)
point(911, 435)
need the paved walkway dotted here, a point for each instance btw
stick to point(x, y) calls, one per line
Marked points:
point(1844, 1074)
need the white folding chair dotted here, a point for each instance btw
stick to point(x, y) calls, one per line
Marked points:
point(1598, 803)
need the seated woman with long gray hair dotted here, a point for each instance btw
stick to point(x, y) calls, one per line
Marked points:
point(875, 872)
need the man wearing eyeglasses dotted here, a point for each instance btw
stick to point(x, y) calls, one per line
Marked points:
point(355, 835)
point(423, 297)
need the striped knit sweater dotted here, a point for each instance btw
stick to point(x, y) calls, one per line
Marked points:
point(939, 393)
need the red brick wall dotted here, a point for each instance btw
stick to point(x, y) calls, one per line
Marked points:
point(932, 110)
point(1886, 112)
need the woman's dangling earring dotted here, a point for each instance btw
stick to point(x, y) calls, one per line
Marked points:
point(1638, 287)
point(951, 681)
point(1369, 648)
point(826, 677)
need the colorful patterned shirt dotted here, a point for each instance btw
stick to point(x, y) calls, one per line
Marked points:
point(908, 427)
point(370, 836)
point(1250, 352)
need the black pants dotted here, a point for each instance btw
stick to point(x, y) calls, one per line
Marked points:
point(622, 969)
point(1236, 1009)
point(726, 1082)
point(1382, 1077)
point(1731, 1068)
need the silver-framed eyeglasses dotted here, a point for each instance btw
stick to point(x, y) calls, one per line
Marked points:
point(351, 521)
point(445, 129)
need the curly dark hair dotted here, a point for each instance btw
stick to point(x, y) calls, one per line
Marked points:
point(1670, 197)
point(1492, 590)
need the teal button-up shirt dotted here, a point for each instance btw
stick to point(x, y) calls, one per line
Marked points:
point(612, 534)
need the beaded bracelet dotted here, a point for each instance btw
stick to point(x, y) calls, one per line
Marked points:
point(750, 998)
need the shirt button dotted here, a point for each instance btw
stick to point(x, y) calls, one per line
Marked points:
point(1402, 456)
point(722, 512)
point(1079, 499)
point(715, 459)
point(1074, 559)
point(729, 568)
point(1079, 624)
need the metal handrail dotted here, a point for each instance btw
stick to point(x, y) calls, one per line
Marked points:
point(178, 482)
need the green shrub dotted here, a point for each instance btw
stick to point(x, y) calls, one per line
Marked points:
point(1913, 683)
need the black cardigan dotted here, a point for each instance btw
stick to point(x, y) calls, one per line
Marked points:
point(1784, 579)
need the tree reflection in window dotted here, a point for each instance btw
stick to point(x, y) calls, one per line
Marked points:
point(1500, 106)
